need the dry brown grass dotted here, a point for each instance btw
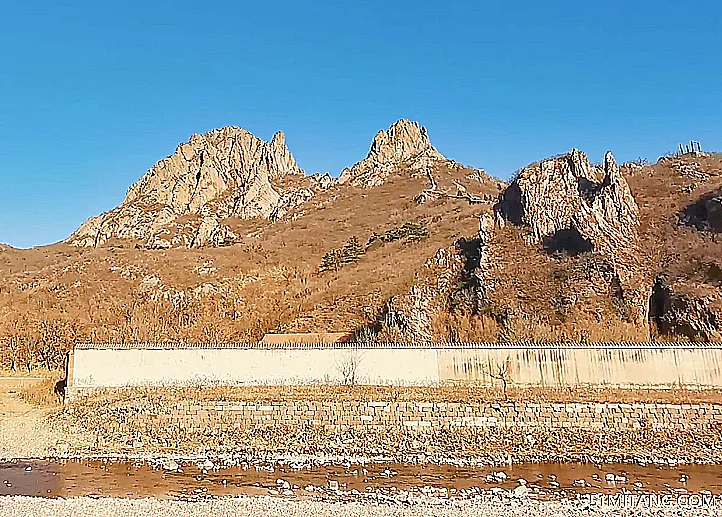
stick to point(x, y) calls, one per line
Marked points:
point(462, 394)
point(42, 394)
point(53, 296)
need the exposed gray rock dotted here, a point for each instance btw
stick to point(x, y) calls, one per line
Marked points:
point(697, 316)
point(705, 214)
point(405, 143)
point(566, 193)
point(572, 206)
point(225, 173)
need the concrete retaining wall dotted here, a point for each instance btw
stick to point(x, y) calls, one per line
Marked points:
point(625, 365)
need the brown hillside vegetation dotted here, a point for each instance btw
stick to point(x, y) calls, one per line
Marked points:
point(407, 261)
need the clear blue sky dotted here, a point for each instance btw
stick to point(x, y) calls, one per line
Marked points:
point(92, 94)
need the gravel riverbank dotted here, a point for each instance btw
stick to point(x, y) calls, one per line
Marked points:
point(272, 507)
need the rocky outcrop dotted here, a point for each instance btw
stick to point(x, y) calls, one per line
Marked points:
point(413, 314)
point(572, 206)
point(566, 194)
point(224, 173)
point(705, 214)
point(677, 311)
point(404, 144)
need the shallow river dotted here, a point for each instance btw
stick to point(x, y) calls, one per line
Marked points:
point(134, 479)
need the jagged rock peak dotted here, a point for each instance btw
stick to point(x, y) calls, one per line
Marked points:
point(210, 164)
point(573, 206)
point(226, 172)
point(567, 193)
point(404, 143)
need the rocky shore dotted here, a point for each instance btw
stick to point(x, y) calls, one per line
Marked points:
point(488, 505)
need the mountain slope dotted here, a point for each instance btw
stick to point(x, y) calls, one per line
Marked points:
point(405, 245)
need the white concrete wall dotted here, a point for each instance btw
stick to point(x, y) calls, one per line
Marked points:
point(583, 366)
point(132, 367)
point(587, 366)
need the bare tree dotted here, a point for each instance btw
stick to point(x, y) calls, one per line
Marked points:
point(348, 367)
point(500, 372)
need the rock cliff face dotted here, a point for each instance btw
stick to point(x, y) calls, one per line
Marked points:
point(692, 313)
point(405, 143)
point(561, 196)
point(705, 213)
point(224, 173)
point(443, 276)
point(572, 206)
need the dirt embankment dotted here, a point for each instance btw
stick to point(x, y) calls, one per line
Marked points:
point(109, 424)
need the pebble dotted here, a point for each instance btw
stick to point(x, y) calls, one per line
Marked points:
point(170, 465)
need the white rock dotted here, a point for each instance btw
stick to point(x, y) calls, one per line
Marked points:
point(170, 465)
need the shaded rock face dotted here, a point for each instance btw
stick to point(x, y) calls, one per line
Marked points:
point(413, 313)
point(405, 143)
point(572, 206)
point(705, 214)
point(678, 313)
point(224, 173)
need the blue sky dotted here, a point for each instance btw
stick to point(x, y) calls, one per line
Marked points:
point(92, 94)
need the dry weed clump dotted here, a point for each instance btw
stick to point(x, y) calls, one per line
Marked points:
point(42, 394)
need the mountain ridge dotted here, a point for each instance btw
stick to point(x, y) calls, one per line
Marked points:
point(422, 249)
point(229, 172)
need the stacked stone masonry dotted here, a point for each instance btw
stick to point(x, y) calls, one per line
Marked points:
point(419, 416)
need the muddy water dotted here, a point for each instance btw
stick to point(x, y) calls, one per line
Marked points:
point(136, 480)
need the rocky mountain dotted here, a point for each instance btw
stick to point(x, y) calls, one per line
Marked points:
point(228, 239)
point(186, 199)
point(224, 173)
point(405, 144)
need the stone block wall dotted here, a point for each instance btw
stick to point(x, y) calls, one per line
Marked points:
point(420, 416)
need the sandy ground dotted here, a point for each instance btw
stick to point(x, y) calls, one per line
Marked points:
point(24, 431)
point(275, 507)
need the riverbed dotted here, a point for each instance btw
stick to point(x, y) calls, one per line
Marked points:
point(202, 479)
